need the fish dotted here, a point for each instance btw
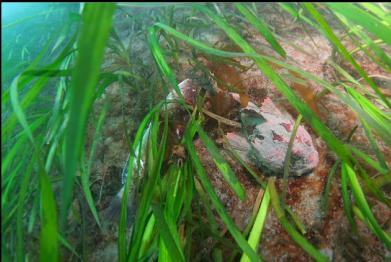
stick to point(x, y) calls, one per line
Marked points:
point(261, 141)
point(112, 212)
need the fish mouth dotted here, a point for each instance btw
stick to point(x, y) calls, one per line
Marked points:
point(304, 172)
point(237, 142)
point(238, 148)
point(296, 174)
point(268, 169)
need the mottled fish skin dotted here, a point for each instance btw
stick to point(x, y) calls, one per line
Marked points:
point(112, 212)
point(265, 136)
point(267, 140)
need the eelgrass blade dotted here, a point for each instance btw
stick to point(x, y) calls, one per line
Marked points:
point(208, 209)
point(32, 65)
point(304, 109)
point(299, 239)
point(214, 51)
point(346, 198)
point(262, 28)
point(66, 244)
point(236, 156)
point(48, 239)
point(33, 214)
point(256, 206)
point(161, 62)
point(372, 188)
point(151, 5)
point(379, 12)
point(296, 14)
point(372, 110)
point(377, 119)
point(198, 44)
point(298, 223)
point(150, 180)
point(11, 184)
point(130, 177)
point(31, 94)
point(216, 202)
point(337, 43)
point(373, 163)
point(6, 221)
point(365, 19)
point(222, 165)
point(18, 146)
point(287, 160)
point(35, 89)
point(21, 209)
point(360, 215)
point(147, 236)
point(175, 193)
point(374, 119)
point(382, 120)
point(91, 44)
point(171, 240)
point(324, 202)
point(368, 43)
point(86, 171)
point(256, 231)
point(189, 188)
point(364, 207)
point(375, 147)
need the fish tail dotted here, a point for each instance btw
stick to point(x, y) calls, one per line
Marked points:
point(113, 212)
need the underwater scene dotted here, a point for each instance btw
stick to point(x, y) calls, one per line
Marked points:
point(196, 131)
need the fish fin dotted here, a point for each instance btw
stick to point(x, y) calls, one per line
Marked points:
point(112, 213)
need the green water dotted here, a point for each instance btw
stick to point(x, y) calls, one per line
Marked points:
point(26, 30)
